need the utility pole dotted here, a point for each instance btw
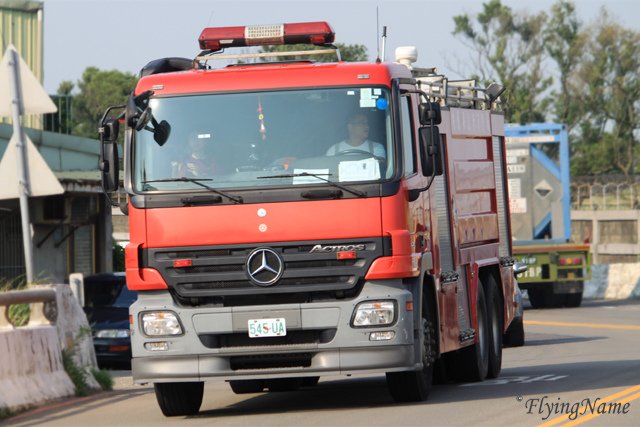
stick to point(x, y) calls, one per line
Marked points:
point(24, 186)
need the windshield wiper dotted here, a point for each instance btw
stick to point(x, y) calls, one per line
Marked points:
point(197, 182)
point(320, 177)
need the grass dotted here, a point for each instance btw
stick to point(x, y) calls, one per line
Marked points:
point(103, 378)
point(18, 313)
point(77, 375)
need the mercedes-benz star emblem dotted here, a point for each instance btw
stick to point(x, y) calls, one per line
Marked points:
point(264, 266)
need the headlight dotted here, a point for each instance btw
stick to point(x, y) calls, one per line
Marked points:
point(376, 313)
point(113, 333)
point(161, 323)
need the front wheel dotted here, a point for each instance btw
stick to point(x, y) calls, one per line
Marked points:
point(176, 399)
point(414, 386)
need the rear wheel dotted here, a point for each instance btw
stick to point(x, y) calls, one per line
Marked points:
point(247, 386)
point(177, 399)
point(472, 363)
point(537, 298)
point(414, 386)
point(574, 300)
point(496, 329)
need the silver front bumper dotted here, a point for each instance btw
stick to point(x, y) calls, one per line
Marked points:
point(349, 351)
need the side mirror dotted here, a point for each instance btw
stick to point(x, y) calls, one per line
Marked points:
point(138, 114)
point(430, 151)
point(161, 131)
point(429, 113)
point(519, 268)
point(109, 161)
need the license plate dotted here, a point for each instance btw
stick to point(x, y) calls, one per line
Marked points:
point(259, 328)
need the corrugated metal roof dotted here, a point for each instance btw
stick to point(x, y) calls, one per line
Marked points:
point(23, 5)
point(61, 152)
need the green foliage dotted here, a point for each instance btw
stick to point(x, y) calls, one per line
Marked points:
point(77, 375)
point(18, 313)
point(99, 90)
point(509, 50)
point(348, 52)
point(5, 413)
point(118, 257)
point(103, 378)
point(596, 69)
point(65, 87)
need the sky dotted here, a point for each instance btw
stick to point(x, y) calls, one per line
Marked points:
point(127, 34)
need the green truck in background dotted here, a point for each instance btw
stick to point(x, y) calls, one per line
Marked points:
point(540, 205)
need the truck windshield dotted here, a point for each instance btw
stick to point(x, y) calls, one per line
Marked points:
point(267, 139)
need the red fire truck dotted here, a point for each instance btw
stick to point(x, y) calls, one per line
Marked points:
point(295, 219)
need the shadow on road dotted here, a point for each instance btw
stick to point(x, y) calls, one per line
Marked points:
point(561, 340)
point(371, 392)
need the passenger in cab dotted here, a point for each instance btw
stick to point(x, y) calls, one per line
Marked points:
point(357, 139)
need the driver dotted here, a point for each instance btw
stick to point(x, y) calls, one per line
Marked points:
point(197, 163)
point(357, 139)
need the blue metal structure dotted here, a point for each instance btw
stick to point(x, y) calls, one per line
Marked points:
point(548, 146)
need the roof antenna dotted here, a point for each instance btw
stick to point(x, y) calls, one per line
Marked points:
point(377, 36)
point(384, 41)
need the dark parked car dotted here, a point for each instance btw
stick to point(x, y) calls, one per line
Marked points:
point(106, 303)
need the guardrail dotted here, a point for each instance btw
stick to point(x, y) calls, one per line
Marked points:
point(42, 301)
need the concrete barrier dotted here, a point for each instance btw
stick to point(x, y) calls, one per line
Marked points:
point(613, 281)
point(31, 371)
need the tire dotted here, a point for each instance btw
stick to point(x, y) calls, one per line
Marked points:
point(247, 386)
point(495, 314)
point(414, 386)
point(537, 298)
point(573, 300)
point(284, 384)
point(179, 399)
point(472, 363)
point(515, 334)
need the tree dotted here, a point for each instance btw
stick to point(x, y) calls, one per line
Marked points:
point(565, 42)
point(608, 87)
point(348, 52)
point(509, 48)
point(98, 90)
point(596, 70)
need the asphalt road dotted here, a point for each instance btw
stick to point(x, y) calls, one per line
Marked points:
point(579, 366)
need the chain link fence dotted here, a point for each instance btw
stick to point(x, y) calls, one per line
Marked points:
point(608, 192)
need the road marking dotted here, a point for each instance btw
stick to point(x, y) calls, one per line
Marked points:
point(583, 418)
point(515, 380)
point(584, 325)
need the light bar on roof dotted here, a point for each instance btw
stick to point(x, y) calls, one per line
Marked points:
point(218, 38)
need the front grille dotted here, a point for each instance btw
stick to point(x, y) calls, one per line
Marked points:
point(220, 273)
point(211, 289)
point(242, 340)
